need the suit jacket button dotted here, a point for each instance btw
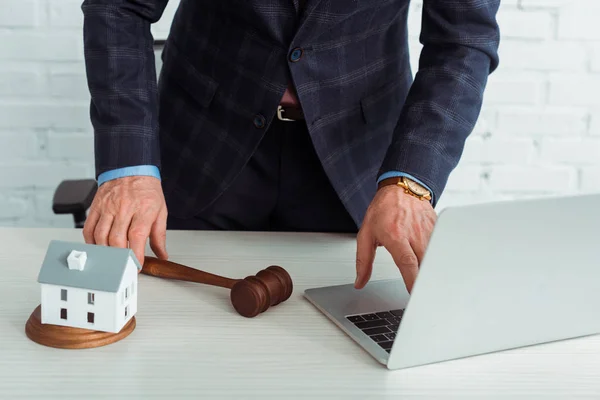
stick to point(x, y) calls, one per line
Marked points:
point(259, 121)
point(296, 54)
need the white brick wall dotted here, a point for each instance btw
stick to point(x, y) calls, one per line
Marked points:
point(538, 135)
point(541, 109)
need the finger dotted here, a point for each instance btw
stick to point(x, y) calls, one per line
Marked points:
point(405, 259)
point(158, 235)
point(419, 250)
point(417, 242)
point(420, 239)
point(118, 232)
point(138, 234)
point(90, 225)
point(365, 256)
point(102, 229)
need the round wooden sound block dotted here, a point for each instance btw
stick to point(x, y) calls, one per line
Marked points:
point(64, 337)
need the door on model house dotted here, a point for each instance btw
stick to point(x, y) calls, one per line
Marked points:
point(63, 298)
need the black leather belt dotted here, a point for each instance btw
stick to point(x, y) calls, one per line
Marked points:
point(289, 113)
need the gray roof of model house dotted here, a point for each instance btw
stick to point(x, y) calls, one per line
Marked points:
point(103, 270)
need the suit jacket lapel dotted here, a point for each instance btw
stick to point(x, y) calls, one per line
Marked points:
point(318, 15)
point(296, 6)
point(306, 9)
point(301, 6)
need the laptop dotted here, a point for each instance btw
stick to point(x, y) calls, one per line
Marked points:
point(495, 276)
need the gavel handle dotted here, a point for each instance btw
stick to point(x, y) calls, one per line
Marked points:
point(170, 270)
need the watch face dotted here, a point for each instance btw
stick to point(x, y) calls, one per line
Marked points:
point(416, 188)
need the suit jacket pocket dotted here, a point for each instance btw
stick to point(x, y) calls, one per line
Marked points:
point(179, 71)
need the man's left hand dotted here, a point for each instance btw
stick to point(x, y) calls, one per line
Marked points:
point(403, 225)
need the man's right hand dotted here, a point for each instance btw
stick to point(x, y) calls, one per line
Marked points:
point(129, 210)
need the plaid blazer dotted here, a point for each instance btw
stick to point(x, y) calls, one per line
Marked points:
point(227, 63)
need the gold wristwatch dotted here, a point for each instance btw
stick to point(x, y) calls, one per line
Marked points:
point(411, 187)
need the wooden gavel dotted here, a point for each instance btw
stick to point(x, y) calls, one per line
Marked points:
point(249, 296)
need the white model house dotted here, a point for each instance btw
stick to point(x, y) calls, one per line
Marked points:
point(88, 286)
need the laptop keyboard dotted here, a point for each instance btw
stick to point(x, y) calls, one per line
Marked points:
point(381, 327)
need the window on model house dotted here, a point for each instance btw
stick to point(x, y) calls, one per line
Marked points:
point(63, 294)
point(63, 313)
point(128, 292)
point(126, 311)
point(91, 298)
point(90, 317)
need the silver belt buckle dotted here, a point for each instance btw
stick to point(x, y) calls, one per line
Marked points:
point(280, 116)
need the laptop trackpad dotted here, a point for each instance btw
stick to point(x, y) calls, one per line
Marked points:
point(371, 316)
point(343, 300)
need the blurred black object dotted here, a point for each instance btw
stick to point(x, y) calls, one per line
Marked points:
point(75, 197)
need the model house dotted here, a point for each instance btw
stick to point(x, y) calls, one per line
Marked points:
point(88, 286)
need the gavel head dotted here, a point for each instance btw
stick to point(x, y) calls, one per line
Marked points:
point(255, 294)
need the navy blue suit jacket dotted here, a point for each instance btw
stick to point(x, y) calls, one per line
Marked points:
point(227, 63)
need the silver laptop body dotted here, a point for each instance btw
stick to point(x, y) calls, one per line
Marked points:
point(495, 276)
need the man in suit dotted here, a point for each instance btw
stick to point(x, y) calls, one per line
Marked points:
point(298, 115)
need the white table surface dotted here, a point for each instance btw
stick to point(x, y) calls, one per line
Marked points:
point(189, 342)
